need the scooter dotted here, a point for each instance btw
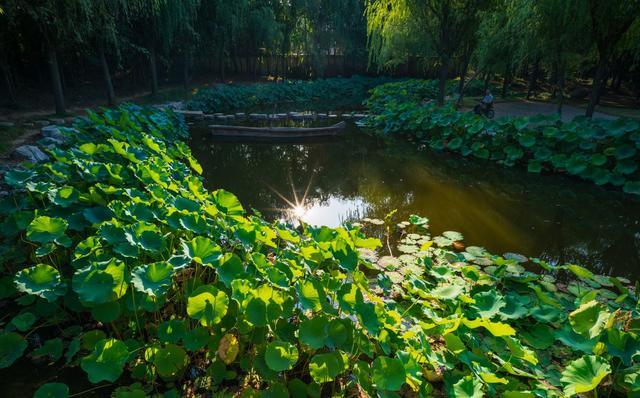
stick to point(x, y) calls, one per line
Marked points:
point(485, 110)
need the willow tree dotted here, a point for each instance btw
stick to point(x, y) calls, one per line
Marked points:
point(563, 27)
point(62, 24)
point(158, 24)
point(609, 21)
point(108, 17)
point(426, 28)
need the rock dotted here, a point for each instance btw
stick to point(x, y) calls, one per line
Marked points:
point(53, 132)
point(230, 117)
point(332, 116)
point(42, 122)
point(50, 142)
point(31, 153)
point(196, 115)
point(6, 124)
point(209, 117)
point(58, 121)
point(322, 115)
point(282, 115)
point(240, 115)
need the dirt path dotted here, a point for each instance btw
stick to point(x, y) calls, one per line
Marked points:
point(531, 108)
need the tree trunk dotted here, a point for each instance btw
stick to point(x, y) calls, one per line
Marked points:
point(560, 77)
point(154, 70)
point(506, 81)
point(8, 80)
point(56, 82)
point(595, 90)
point(106, 74)
point(533, 81)
point(461, 85)
point(442, 81)
point(487, 80)
point(185, 69)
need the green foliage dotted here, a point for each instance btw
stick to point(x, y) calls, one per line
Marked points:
point(323, 94)
point(240, 298)
point(601, 151)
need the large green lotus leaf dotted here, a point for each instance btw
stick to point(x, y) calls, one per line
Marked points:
point(153, 279)
point(310, 294)
point(64, 196)
point(576, 342)
point(624, 345)
point(340, 334)
point(23, 321)
point(256, 312)
point(12, 346)
point(488, 303)
point(227, 203)
point(388, 373)
point(106, 361)
point(100, 282)
point(208, 305)
point(324, 368)
point(466, 387)
point(625, 152)
point(447, 292)
point(626, 166)
point(589, 319)
point(203, 251)
point(231, 269)
point(41, 280)
point(539, 336)
point(584, 374)
point(281, 356)
point(313, 332)
point(45, 229)
point(170, 361)
point(52, 390)
point(517, 306)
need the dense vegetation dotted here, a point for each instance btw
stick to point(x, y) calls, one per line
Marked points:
point(603, 151)
point(323, 94)
point(119, 261)
point(64, 44)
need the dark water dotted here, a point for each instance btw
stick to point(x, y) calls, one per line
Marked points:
point(558, 219)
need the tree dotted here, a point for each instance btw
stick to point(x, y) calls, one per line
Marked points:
point(562, 28)
point(609, 21)
point(61, 23)
point(445, 24)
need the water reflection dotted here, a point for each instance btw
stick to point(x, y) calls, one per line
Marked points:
point(555, 218)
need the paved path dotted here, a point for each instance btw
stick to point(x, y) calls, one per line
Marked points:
point(531, 108)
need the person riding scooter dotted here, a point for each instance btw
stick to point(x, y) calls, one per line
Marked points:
point(485, 107)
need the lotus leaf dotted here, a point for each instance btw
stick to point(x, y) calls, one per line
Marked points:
point(281, 356)
point(584, 374)
point(106, 361)
point(207, 305)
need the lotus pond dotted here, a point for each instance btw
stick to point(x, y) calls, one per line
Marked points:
point(125, 274)
point(556, 218)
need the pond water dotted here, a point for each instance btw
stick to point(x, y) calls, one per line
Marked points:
point(555, 218)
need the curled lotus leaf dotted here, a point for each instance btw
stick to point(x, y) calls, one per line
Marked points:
point(584, 374)
point(153, 279)
point(41, 280)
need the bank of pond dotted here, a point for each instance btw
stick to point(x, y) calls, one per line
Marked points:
point(124, 275)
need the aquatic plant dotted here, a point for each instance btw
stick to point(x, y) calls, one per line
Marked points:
point(291, 95)
point(602, 151)
point(121, 263)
